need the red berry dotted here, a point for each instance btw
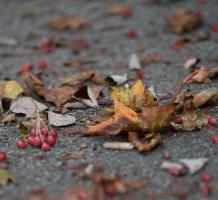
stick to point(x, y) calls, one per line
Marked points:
point(82, 195)
point(25, 68)
point(166, 156)
point(21, 144)
point(44, 131)
point(51, 140)
point(47, 45)
point(205, 189)
point(37, 142)
point(45, 147)
point(82, 43)
point(31, 140)
point(3, 156)
point(214, 28)
point(139, 74)
point(111, 190)
point(206, 177)
point(132, 34)
point(214, 138)
point(173, 170)
point(211, 121)
point(42, 64)
point(177, 120)
point(32, 132)
point(177, 45)
point(126, 13)
point(53, 132)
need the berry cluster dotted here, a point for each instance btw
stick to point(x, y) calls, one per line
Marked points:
point(44, 139)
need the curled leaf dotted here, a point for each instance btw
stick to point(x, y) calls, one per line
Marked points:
point(191, 121)
point(10, 89)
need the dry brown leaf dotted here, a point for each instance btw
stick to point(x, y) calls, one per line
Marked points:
point(146, 60)
point(199, 76)
point(208, 96)
point(77, 62)
point(81, 78)
point(59, 96)
point(67, 22)
point(183, 21)
point(118, 9)
point(191, 121)
point(8, 119)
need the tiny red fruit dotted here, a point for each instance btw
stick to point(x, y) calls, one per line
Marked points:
point(126, 13)
point(37, 142)
point(206, 177)
point(3, 156)
point(51, 140)
point(45, 147)
point(132, 34)
point(211, 121)
point(177, 120)
point(82, 195)
point(42, 64)
point(205, 189)
point(177, 45)
point(32, 132)
point(25, 68)
point(53, 132)
point(44, 131)
point(139, 74)
point(214, 28)
point(21, 144)
point(214, 138)
point(31, 140)
point(173, 170)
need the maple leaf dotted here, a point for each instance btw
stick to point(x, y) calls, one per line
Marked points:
point(136, 97)
point(67, 22)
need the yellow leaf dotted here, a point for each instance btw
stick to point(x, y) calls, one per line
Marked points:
point(136, 97)
point(12, 89)
point(5, 177)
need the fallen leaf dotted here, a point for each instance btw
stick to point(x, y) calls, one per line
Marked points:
point(8, 42)
point(136, 97)
point(5, 177)
point(208, 96)
point(118, 9)
point(60, 120)
point(146, 60)
point(134, 63)
point(198, 76)
point(117, 79)
point(174, 168)
point(183, 21)
point(77, 62)
point(67, 22)
point(27, 106)
point(59, 96)
point(194, 164)
point(81, 78)
point(8, 119)
point(191, 121)
point(10, 89)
